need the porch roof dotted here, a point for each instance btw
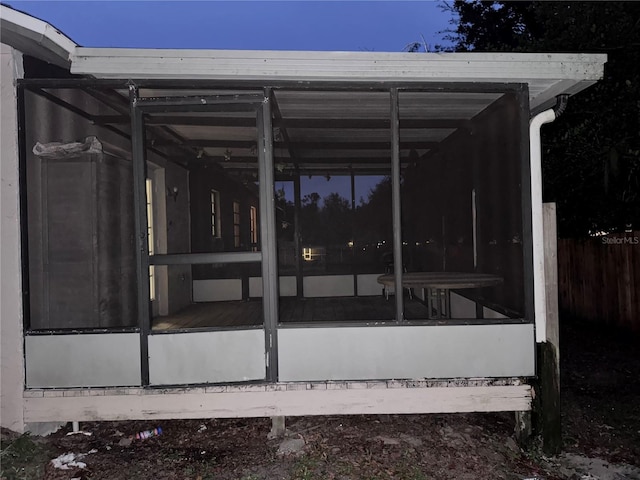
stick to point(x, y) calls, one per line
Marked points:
point(332, 111)
point(34, 37)
point(546, 74)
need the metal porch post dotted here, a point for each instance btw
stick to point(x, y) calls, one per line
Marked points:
point(297, 234)
point(268, 236)
point(140, 211)
point(395, 203)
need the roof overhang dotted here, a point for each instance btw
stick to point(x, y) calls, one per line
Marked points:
point(546, 74)
point(34, 37)
point(331, 109)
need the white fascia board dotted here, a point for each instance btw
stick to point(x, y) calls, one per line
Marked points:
point(334, 66)
point(547, 98)
point(35, 37)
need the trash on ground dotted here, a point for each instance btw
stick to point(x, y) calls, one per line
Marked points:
point(71, 460)
point(154, 432)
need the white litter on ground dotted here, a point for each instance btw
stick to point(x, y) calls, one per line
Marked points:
point(71, 460)
point(598, 469)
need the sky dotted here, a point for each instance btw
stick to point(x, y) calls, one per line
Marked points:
point(381, 26)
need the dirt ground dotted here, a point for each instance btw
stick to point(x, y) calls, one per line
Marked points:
point(601, 430)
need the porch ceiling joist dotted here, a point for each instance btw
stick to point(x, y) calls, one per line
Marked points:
point(285, 139)
point(298, 145)
point(314, 123)
point(252, 162)
point(119, 104)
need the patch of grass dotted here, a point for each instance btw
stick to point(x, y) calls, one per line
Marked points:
point(305, 469)
point(22, 458)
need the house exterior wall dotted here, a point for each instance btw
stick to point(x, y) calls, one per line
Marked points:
point(11, 344)
point(202, 181)
point(546, 71)
point(86, 276)
point(232, 280)
point(104, 196)
point(178, 227)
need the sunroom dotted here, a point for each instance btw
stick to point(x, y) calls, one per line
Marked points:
point(276, 223)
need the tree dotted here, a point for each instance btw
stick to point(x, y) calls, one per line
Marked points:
point(336, 220)
point(591, 154)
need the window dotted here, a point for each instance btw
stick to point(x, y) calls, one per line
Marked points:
point(236, 224)
point(150, 237)
point(254, 228)
point(215, 217)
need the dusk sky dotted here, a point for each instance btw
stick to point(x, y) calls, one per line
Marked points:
point(382, 26)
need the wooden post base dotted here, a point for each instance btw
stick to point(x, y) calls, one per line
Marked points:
point(277, 427)
point(548, 419)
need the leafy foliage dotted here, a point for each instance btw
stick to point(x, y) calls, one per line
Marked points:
point(21, 457)
point(591, 163)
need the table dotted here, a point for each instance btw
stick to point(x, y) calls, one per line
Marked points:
point(439, 285)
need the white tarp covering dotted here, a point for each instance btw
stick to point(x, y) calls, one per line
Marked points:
point(65, 150)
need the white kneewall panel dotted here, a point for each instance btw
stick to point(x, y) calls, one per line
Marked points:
point(207, 357)
point(368, 285)
point(405, 352)
point(217, 290)
point(462, 307)
point(92, 360)
point(328, 286)
point(488, 313)
point(288, 287)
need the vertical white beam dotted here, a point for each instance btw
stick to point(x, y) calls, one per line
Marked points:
point(551, 276)
point(11, 313)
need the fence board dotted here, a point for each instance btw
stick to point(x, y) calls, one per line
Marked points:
point(599, 279)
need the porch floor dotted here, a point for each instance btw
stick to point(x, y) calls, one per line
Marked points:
point(331, 309)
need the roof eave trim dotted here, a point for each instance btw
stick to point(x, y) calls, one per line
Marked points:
point(35, 37)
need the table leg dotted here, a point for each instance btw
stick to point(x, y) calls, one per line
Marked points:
point(447, 303)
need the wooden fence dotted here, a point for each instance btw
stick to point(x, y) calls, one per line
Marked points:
point(599, 279)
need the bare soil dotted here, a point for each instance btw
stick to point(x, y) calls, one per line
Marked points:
point(601, 418)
